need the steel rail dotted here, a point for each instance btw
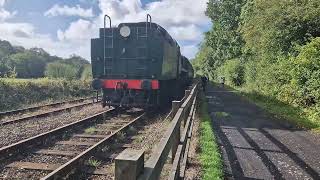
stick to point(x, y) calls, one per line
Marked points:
point(44, 114)
point(77, 161)
point(6, 113)
point(22, 145)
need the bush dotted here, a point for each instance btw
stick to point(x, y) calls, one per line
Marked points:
point(233, 71)
point(86, 73)
point(60, 70)
point(16, 93)
point(306, 73)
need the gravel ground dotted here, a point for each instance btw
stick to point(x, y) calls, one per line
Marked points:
point(52, 159)
point(12, 133)
point(146, 138)
point(193, 170)
point(40, 111)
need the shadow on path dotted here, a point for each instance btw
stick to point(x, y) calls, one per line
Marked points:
point(255, 146)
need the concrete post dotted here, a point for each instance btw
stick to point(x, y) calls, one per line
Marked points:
point(129, 164)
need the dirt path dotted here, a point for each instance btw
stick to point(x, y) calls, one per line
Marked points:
point(255, 146)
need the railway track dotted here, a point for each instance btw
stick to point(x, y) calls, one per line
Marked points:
point(42, 114)
point(34, 108)
point(61, 151)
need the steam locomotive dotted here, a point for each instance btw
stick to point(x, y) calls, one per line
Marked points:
point(138, 65)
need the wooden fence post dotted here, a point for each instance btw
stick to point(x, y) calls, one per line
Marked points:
point(175, 141)
point(175, 107)
point(129, 164)
point(187, 93)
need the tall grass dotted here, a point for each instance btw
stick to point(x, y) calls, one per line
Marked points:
point(17, 93)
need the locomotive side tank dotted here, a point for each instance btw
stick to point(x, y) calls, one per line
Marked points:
point(138, 65)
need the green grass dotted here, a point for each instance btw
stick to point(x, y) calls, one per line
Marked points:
point(297, 116)
point(90, 130)
point(94, 163)
point(210, 157)
point(221, 114)
point(20, 93)
point(121, 136)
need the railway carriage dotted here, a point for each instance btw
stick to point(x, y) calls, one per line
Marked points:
point(138, 65)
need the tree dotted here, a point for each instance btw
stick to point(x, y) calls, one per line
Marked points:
point(275, 27)
point(31, 63)
point(60, 70)
point(224, 40)
point(28, 65)
point(86, 73)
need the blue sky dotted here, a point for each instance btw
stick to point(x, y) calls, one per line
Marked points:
point(64, 27)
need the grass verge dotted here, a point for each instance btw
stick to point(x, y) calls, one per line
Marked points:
point(210, 157)
point(297, 116)
point(20, 93)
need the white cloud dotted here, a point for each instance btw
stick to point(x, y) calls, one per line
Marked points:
point(24, 34)
point(4, 14)
point(189, 50)
point(77, 31)
point(2, 2)
point(183, 20)
point(58, 10)
point(186, 33)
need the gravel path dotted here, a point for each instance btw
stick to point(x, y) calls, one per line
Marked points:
point(255, 146)
point(12, 133)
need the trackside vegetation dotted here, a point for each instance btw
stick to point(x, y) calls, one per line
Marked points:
point(270, 51)
point(295, 115)
point(210, 157)
point(18, 93)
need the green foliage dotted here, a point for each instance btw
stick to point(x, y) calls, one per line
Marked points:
point(5, 49)
point(86, 73)
point(90, 130)
point(17, 93)
point(32, 63)
point(306, 73)
point(60, 70)
point(221, 114)
point(94, 162)
point(28, 65)
point(201, 62)
point(271, 28)
point(224, 40)
point(307, 118)
point(210, 157)
point(271, 48)
point(233, 71)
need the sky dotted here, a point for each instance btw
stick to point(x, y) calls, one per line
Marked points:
point(65, 27)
